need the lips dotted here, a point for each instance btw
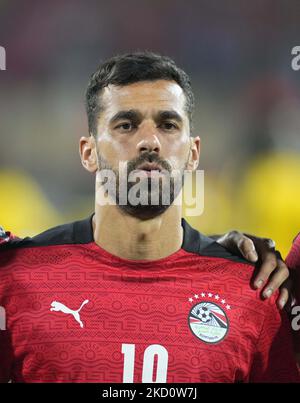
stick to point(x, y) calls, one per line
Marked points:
point(149, 166)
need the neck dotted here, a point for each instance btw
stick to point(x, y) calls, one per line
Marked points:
point(130, 238)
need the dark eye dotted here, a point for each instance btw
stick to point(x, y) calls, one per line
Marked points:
point(126, 127)
point(168, 126)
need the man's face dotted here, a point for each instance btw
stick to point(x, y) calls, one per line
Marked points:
point(144, 125)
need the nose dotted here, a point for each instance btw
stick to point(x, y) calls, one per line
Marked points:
point(148, 140)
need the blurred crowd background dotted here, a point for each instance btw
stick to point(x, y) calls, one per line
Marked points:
point(238, 54)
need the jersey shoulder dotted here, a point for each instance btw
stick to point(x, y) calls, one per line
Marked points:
point(196, 242)
point(229, 270)
point(77, 232)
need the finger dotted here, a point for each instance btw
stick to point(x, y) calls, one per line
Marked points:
point(286, 298)
point(247, 248)
point(268, 266)
point(280, 275)
point(283, 297)
point(270, 243)
point(286, 294)
point(230, 240)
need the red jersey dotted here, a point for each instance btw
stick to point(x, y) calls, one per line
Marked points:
point(76, 313)
point(293, 262)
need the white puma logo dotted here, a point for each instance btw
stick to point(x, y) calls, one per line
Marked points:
point(58, 306)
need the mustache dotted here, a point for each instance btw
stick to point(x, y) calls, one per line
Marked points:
point(148, 157)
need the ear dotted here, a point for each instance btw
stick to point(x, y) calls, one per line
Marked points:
point(194, 153)
point(88, 153)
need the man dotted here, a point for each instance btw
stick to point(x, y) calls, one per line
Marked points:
point(133, 293)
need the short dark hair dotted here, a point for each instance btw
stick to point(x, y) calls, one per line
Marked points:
point(131, 68)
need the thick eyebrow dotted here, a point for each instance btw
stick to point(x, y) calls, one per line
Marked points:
point(169, 115)
point(132, 114)
point(136, 116)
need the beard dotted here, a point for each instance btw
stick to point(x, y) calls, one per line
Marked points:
point(146, 197)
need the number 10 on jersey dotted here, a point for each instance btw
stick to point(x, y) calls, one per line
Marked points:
point(151, 352)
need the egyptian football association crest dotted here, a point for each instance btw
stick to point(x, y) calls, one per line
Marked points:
point(208, 321)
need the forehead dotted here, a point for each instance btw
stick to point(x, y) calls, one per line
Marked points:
point(145, 96)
